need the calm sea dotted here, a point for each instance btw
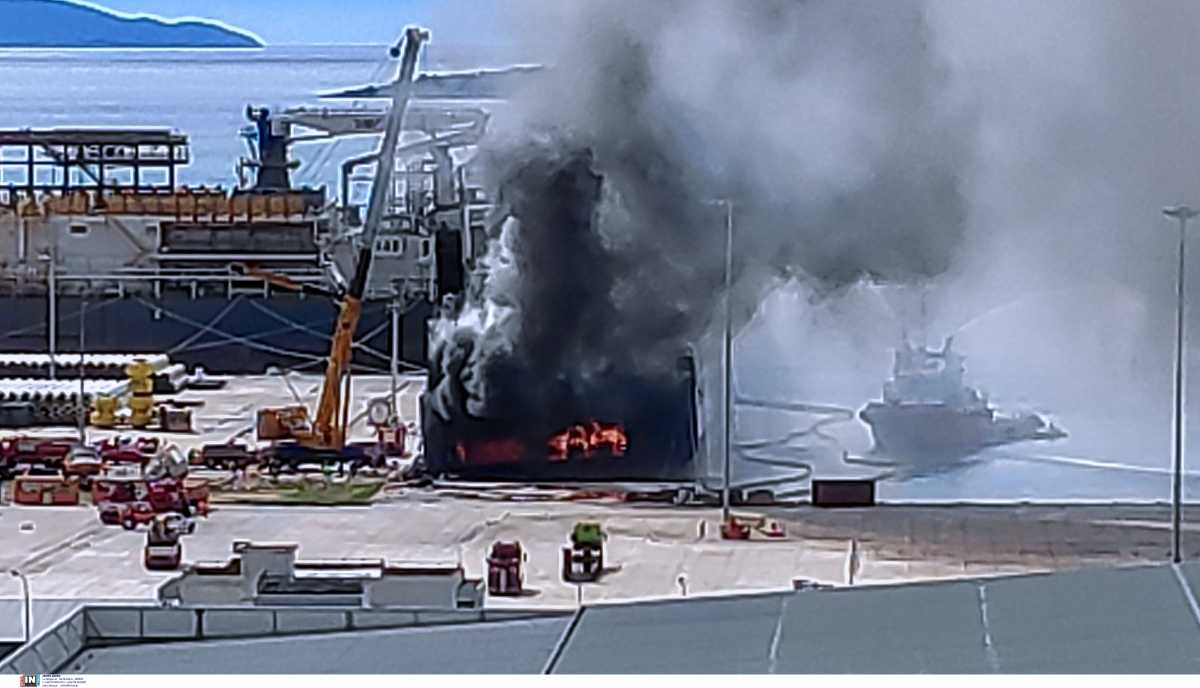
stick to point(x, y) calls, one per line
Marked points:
point(202, 93)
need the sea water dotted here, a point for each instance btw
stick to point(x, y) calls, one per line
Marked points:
point(201, 93)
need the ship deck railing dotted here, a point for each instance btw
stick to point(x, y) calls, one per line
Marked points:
point(197, 205)
point(117, 283)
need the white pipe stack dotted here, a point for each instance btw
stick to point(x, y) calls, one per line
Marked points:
point(106, 366)
point(56, 401)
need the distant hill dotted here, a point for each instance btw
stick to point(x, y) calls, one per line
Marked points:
point(62, 24)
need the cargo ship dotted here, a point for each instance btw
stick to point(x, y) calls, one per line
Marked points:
point(96, 235)
point(928, 414)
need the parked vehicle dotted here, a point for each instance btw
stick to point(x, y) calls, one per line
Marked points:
point(172, 495)
point(583, 561)
point(225, 457)
point(129, 514)
point(35, 451)
point(291, 456)
point(119, 489)
point(738, 527)
point(505, 568)
point(139, 450)
point(133, 501)
point(165, 557)
point(163, 550)
point(83, 463)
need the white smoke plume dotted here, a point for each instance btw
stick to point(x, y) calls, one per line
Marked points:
point(822, 122)
point(1009, 156)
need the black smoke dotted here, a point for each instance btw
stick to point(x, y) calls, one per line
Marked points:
point(821, 122)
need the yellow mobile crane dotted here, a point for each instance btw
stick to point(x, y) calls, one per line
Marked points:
point(325, 433)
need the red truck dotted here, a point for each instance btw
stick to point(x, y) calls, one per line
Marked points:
point(131, 502)
point(42, 451)
point(187, 496)
point(129, 450)
point(122, 501)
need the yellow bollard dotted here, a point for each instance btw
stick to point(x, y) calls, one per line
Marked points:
point(141, 389)
point(141, 411)
point(104, 411)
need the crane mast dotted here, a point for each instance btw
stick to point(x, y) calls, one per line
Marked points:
point(330, 424)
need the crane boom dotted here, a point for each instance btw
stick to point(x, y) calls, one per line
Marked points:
point(329, 426)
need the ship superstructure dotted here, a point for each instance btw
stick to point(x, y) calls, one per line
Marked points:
point(929, 413)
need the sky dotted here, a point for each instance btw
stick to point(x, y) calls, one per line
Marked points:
point(280, 22)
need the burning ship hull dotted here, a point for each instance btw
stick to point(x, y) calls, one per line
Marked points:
point(628, 445)
point(928, 414)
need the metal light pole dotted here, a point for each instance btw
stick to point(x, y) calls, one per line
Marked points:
point(83, 405)
point(395, 309)
point(1182, 213)
point(728, 358)
point(52, 304)
point(28, 603)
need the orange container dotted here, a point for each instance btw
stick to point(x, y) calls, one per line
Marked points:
point(40, 490)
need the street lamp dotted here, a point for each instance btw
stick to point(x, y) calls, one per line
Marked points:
point(727, 390)
point(1182, 213)
point(395, 311)
point(728, 386)
point(28, 603)
point(83, 405)
point(50, 257)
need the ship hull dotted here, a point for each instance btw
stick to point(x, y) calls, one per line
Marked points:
point(936, 432)
point(658, 448)
point(240, 335)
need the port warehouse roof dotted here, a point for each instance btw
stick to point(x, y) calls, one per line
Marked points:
point(1131, 620)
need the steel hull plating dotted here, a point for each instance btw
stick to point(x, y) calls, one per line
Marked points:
point(244, 334)
point(936, 431)
point(659, 449)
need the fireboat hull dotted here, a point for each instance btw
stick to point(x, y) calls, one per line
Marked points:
point(939, 432)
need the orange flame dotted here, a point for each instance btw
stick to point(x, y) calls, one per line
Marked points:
point(587, 439)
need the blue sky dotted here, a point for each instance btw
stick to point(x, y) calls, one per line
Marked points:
point(333, 21)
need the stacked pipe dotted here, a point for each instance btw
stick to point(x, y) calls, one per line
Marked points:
point(102, 366)
point(46, 402)
point(171, 379)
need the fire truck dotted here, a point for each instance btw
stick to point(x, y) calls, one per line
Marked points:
point(134, 501)
point(45, 452)
point(140, 451)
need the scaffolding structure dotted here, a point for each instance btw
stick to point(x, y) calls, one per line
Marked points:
point(62, 160)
